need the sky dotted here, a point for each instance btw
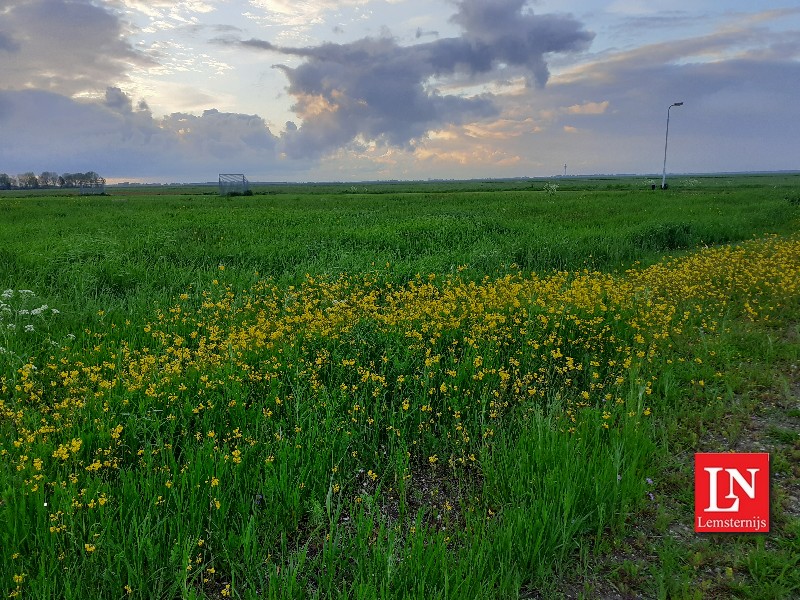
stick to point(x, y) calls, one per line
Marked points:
point(354, 90)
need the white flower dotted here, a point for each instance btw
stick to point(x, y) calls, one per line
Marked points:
point(40, 310)
point(70, 336)
point(8, 294)
point(11, 326)
point(29, 328)
point(26, 292)
point(23, 311)
point(55, 311)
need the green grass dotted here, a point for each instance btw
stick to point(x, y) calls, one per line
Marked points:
point(201, 432)
point(122, 251)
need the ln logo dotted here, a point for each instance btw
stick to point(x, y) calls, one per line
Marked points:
point(731, 492)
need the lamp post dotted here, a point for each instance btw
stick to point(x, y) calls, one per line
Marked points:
point(666, 141)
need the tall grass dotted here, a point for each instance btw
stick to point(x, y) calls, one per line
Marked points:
point(124, 251)
point(215, 410)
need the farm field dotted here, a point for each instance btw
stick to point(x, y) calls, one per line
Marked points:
point(421, 390)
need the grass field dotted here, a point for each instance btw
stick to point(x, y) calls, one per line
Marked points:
point(428, 390)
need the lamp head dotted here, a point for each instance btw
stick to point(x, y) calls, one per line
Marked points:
point(678, 104)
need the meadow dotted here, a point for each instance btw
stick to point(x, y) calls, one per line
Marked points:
point(395, 390)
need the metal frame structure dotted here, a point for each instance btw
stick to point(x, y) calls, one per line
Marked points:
point(230, 183)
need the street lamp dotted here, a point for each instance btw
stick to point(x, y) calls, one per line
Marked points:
point(666, 141)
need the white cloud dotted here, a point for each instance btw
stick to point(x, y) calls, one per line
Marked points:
point(160, 9)
point(588, 108)
point(300, 14)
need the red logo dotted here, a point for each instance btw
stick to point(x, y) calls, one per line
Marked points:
point(731, 492)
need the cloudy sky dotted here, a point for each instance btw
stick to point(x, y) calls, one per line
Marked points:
point(304, 90)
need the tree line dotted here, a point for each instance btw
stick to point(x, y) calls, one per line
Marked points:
point(50, 179)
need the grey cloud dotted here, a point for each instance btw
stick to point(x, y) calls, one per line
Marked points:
point(221, 135)
point(505, 32)
point(219, 28)
point(739, 114)
point(372, 88)
point(420, 33)
point(225, 28)
point(118, 101)
point(251, 43)
point(376, 89)
point(43, 130)
point(66, 46)
point(7, 43)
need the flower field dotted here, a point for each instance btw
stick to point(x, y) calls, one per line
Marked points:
point(357, 434)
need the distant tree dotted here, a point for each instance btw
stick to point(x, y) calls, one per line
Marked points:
point(70, 180)
point(28, 180)
point(48, 178)
point(92, 178)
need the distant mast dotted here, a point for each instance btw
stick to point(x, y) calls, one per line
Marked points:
point(565, 169)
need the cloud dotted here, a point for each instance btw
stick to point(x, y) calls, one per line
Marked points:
point(740, 110)
point(297, 13)
point(476, 99)
point(68, 47)
point(374, 89)
point(119, 139)
point(607, 114)
point(502, 31)
point(159, 10)
point(220, 136)
point(421, 33)
point(588, 108)
point(7, 43)
point(118, 101)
